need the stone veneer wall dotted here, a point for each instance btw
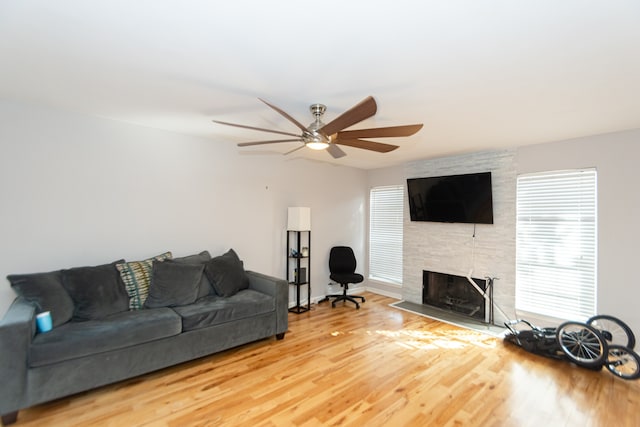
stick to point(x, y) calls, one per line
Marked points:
point(449, 248)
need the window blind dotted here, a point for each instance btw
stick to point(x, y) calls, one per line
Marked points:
point(386, 206)
point(556, 244)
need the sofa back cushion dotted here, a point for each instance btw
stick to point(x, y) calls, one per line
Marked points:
point(46, 292)
point(136, 276)
point(96, 292)
point(173, 284)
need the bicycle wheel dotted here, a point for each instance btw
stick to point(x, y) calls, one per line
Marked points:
point(623, 362)
point(582, 344)
point(614, 330)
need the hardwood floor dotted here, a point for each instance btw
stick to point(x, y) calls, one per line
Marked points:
point(377, 366)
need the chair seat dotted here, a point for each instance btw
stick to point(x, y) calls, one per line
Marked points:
point(343, 278)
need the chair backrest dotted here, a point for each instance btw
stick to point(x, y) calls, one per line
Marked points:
point(342, 260)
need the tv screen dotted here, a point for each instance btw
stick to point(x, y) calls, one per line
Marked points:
point(455, 198)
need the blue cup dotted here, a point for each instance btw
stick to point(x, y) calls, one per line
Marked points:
point(44, 322)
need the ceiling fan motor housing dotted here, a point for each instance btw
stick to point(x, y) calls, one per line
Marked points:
point(312, 138)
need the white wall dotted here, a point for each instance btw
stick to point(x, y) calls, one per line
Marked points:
point(78, 190)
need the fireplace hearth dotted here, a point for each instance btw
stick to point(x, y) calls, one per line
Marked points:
point(455, 294)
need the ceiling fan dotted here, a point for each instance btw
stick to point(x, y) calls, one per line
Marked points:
point(321, 136)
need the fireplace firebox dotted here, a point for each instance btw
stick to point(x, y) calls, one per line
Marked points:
point(455, 294)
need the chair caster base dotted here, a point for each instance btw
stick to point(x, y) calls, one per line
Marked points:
point(343, 297)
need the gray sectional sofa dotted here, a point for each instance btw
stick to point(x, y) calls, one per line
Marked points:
point(120, 320)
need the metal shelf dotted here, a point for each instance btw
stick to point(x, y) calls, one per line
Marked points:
point(299, 264)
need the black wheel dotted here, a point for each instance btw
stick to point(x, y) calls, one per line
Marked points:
point(623, 362)
point(614, 330)
point(582, 344)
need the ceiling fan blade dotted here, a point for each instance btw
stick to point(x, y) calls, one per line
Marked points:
point(248, 144)
point(255, 128)
point(363, 110)
point(367, 145)
point(285, 115)
point(392, 131)
point(295, 149)
point(335, 151)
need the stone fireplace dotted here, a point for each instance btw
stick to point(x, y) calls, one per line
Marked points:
point(455, 294)
point(486, 250)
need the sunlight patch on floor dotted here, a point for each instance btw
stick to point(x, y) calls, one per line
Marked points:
point(427, 340)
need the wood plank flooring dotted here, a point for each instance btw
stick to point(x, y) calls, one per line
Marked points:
point(377, 366)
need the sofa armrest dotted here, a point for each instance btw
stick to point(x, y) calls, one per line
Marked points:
point(277, 288)
point(17, 329)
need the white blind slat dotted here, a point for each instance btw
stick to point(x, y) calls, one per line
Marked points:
point(385, 233)
point(556, 244)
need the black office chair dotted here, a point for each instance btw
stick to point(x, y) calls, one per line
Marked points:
point(342, 266)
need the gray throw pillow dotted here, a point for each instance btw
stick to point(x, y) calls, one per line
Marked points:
point(226, 274)
point(45, 290)
point(204, 288)
point(200, 258)
point(173, 284)
point(97, 292)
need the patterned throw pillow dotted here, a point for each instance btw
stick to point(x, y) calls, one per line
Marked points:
point(136, 276)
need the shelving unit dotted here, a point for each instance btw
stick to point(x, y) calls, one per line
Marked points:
point(299, 266)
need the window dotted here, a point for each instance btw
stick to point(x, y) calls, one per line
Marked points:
point(556, 244)
point(385, 233)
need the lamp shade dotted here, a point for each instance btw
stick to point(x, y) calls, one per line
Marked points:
point(299, 219)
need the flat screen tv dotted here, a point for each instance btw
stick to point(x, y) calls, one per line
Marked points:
point(455, 198)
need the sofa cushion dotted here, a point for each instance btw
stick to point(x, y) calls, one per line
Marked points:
point(136, 276)
point(45, 290)
point(226, 274)
point(215, 310)
point(204, 288)
point(96, 291)
point(77, 339)
point(173, 284)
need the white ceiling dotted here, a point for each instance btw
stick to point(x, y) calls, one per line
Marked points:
point(480, 74)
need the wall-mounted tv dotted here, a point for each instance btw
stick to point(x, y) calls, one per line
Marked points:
point(455, 198)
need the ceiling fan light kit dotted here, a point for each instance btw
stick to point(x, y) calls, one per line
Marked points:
point(321, 136)
point(317, 145)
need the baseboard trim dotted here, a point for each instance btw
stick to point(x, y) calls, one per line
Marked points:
point(355, 291)
point(314, 300)
point(393, 295)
